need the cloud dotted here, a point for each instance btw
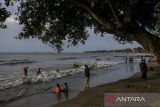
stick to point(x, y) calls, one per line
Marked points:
point(11, 19)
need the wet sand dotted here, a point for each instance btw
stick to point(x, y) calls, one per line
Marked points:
point(76, 85)
point(93, 97)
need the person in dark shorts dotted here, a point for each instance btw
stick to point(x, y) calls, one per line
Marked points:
point(66, 91)
point(25, 71)
point(143, 68)
point(66, 87)
point(87, 75)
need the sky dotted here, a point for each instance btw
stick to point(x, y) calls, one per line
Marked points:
point(9, 44)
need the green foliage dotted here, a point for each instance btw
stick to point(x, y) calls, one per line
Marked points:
point(3, 15)
point(53, 21)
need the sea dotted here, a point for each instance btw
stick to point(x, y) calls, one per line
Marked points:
point(15, 85)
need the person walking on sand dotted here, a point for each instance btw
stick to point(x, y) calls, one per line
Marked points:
point(25, 71)
point(143, 68)
point(87, 75)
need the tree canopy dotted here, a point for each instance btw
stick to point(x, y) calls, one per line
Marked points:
point(53, 21)
point(3, 16)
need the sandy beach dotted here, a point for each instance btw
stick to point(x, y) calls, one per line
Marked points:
point(93, 97)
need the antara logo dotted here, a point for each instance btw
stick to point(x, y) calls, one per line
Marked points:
point(130, 99)
point(113, 99)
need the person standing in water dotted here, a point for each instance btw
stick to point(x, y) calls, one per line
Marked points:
point(39, 71)
point(143, 68)
point(25, 71)
point(65, 91)
point(57, 70)
point(66, 87)
point(87, 75)
point(126, 60)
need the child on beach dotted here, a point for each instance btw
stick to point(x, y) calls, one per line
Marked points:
point(57, 89)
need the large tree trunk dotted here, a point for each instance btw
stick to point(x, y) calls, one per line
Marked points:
point(150, 42)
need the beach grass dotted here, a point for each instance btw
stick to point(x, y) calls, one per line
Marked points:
point(94, 97)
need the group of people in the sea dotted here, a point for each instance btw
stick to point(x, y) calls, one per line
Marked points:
point(142, 66)
point(130, 60)
point(57, 89)
point(25, 69)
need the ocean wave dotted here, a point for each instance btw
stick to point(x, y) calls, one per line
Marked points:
point(46, 76)
point(67, 58)
point(2, 61)
point(15, 62)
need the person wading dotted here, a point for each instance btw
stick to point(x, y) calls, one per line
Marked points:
point(25, 69)
point(87, 75)
point(57, 89)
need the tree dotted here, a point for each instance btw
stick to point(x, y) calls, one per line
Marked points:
point(3, 16)
point(54, 21)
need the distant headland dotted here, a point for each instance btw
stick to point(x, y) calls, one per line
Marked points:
point(126, 50)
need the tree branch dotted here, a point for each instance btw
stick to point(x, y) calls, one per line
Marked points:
point(114, 14)
point(105, 24)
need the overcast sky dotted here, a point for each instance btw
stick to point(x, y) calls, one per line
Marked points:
point(9, 44)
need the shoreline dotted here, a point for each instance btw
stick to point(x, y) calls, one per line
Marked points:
point(93, 97)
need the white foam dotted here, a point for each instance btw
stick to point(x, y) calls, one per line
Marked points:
point(49, 75)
